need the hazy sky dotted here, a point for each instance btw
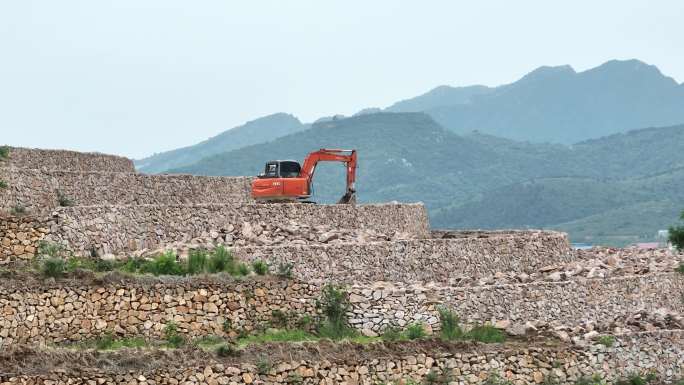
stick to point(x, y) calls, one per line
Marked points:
point(134, 77)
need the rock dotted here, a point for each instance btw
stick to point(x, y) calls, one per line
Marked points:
point(502, 324)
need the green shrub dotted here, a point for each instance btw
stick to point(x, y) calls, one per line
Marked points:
point(294, 378)
point(197, 262)
point(680, 268)
point(486, 334)
point(102, 265)
point(450, 328)
point(227, 350)
point(135, 265)
point(391, 333)
point(334, 305)
point(263, 365)
point(260, 267)
point(221, 259)
point(606, 340)
point(242, 270)
point(4, 152)
point(48, 249)
point(3, 184)
point(52, 267)
point(63, 200)
point(285, 270)
point(676, 236)
point(415, 331)
point(171, 335)
point(164, 264)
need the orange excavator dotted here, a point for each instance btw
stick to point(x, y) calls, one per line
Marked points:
point(286, 180)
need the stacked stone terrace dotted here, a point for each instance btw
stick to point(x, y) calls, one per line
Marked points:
point(396, 269)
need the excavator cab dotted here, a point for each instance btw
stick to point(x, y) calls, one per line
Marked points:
point(281, 169)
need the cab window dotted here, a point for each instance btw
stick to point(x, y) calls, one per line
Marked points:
point(289, 169)
point(271, 170)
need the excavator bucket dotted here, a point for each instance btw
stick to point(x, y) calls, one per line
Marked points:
point(349, 198)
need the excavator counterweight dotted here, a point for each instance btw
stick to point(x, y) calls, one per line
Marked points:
point(286, 180)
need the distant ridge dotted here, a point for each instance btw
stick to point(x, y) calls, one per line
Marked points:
point(256, 131)
point(558, 104)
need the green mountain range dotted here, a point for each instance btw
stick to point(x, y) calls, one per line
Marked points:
point(256, 131)
point(483, 157)
point(559, 105)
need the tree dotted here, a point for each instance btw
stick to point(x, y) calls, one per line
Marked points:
point(677, 235)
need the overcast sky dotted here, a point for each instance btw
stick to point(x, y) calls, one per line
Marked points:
point(134, 77)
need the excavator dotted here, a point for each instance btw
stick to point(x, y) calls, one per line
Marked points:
point(287, 181)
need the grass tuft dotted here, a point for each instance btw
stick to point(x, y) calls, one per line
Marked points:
point(222, 260)
point(197, 262)
point(52, 267)
point(607, 340)
point(260, 267)
point(415, 331)
point(171, 335)
point(451, 330)
point(486, 333)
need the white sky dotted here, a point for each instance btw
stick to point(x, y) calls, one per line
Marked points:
point(134, 77)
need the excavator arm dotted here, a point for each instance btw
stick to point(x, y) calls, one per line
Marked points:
point(333, 155)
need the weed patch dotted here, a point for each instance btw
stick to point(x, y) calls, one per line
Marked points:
point(52, 267)
point(260, 267)
point(449, 321)
point(606, 340)
point(415, 331)
point(171, 335)
point(334, 305)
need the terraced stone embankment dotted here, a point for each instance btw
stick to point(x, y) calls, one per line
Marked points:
point(528, 362)
point(41, 191)
point(418, 260)
point(78, 309)
point(36, 159)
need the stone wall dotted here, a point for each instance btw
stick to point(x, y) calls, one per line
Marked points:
point(42, 312)
point(437, 260)
point(661, 353)
point(562, 303)
point(39, 191)
point(31, 158)
point(120, 230)
point(20, 237)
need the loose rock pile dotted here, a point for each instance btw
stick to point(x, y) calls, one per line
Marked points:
point(592, 263)
point(274, 234)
